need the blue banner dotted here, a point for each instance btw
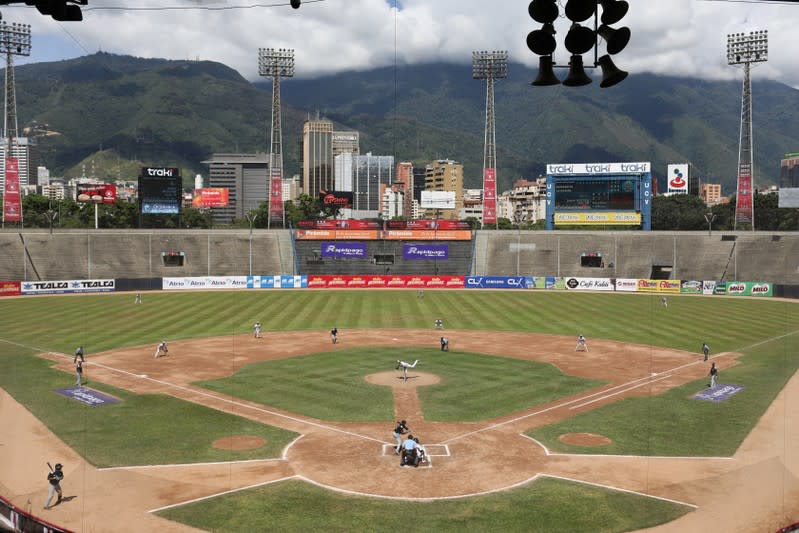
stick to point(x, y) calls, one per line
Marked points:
point(425, 251)
point(498, 282)
point(277, 282)
point(87, 396)
point(344, 250)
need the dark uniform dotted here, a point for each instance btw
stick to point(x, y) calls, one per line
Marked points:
point(397, 434)
point(444, 344)
point(334, 335)
point(705, 350)
point(78, 353)
point(54, 479)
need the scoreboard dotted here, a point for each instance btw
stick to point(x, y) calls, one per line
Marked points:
point(599, 194)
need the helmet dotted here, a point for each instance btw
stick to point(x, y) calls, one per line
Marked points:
point(58, 466)
point(403, 421)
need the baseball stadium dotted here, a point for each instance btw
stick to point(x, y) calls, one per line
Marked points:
point(232, 431)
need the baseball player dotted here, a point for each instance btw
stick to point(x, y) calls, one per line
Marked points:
point(705, 350)
point(257, 330)
point(79, 372)
point(54, 484)
point(400, 430)
point(582, 344)
point(664, 302)
point(78, 353)
point(405, 366)
point(408, 456)
point(161, 349)
point(439, 323)
point(138, 298)
point(714, 372)
point(334, 335)
point(444, 344)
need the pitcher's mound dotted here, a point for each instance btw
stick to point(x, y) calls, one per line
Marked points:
point(584, 439)
point(239, 442)
point(394, 379)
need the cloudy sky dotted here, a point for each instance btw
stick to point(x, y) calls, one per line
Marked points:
point(676, 37)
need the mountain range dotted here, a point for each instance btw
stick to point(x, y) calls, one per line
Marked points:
point(106, 115)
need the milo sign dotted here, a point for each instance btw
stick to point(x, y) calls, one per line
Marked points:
point(749, 288)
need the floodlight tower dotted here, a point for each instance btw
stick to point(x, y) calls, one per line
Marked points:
point(490, 66)
point(15, 39)
point(276, 63)
point(743, 49)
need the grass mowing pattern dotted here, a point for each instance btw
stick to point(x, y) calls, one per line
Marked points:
point(544, 506)
point(330, 386)
point(673, 424)
point(140, 430)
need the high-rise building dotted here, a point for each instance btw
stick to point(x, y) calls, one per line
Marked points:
point(392, 201)
point(404, 178)
point(362, 175)
point(346, 142)
point(317, 156)
point(789, 171)
point(246, 178)
point(710, 193)
point(26, 151)
point(446, 175)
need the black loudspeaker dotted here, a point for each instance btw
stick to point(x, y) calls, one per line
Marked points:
point(541, 42)
point(580, 39)
point(611, 74)
point(580, 10)
point(577, 76)
point(616, 39)
point(613, 10)
point(546, 73)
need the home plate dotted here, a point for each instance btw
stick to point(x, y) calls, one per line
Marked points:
point(395, 339)
point(654, 373)
point(142, 375)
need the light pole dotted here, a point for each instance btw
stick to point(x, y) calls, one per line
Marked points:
point(709, 218)
point(251, 218)
point(744, 50)
point(276, 64)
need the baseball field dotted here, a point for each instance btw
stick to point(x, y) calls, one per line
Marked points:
point(291, 432)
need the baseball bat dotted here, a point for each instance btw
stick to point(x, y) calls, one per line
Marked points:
point(49, 466)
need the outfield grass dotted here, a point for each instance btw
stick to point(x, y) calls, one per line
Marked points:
point(544, 506)
point(474, 386)
point(669, 424)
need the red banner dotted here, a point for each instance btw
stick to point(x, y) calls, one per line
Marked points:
point(743, 202)
point(10, 288)
point(210, 197)
point(12, 207)
point(384, 282)
point(276, 195)
point(490, 196)
point(100, 193)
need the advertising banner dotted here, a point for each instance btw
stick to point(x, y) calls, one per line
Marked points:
point(88, 396)
point(626, 285)
point(160, 191)
point(425, 251)
point(210, 197)
point(276, 282)
point(389, 282)
point(276, 194)
point(677, 179)
point(438, 199)
point(12, 205)
point(597, 168)
point(708, 287)
point(427, 235)
point(691, 287)
point(498, 282)
point(10, 288)
point(342, 199)
point(749, 288)
point(67, 286)
point(96, 193)
point(589, 284)
point(743, 205)
point(720, 288)
point(669, 286)
point(490, 196)
point(336, 234)
point(719, 393)
point(344, 250)
point(599, 218)
point(204, 283)
point(545, 282)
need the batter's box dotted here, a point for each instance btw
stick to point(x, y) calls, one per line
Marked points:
point(431, 450)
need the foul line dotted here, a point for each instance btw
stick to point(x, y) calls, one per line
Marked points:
point(606, 396)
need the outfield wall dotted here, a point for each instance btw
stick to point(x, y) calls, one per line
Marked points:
point(31, 255)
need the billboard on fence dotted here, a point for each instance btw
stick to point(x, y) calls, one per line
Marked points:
point(210, 197)
point(68, 286)
point(708, 287)
point(427, 235)
point(499, 282)
point(204, 282)
point(589, 284)
point(96, 193)
point(425, 251)
point(691, 287)
point(626, 285)
point(438, 199)
point(160, 191)
point(344, 250)
point(605, 219)
point(277, 282)
point(671, 286)
point(10, 288)
point(324, 234)
point(749, 288)
point(545, 282)
point(321, 281)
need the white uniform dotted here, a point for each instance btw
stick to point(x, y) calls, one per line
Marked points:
point(405, 366)
point(161, 349)
point(257, 329)
point(582, 345)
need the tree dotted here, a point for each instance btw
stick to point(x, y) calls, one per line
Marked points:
point(678, 212)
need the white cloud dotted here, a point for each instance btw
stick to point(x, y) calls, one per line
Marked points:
point(676, 37)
